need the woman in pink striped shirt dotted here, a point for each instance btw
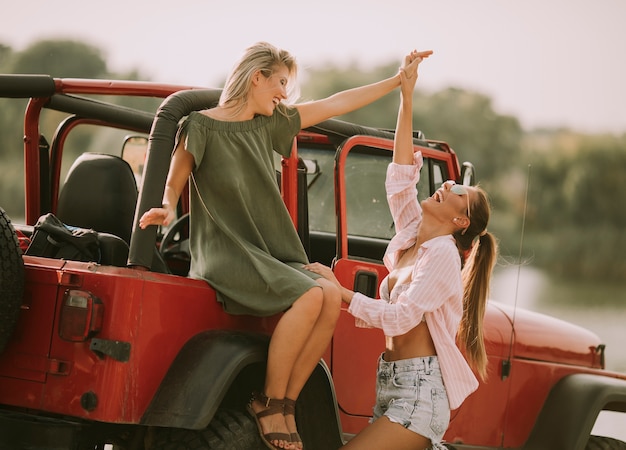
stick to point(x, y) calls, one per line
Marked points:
point(430, 300)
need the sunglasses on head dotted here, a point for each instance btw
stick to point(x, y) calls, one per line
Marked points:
point(460, 189)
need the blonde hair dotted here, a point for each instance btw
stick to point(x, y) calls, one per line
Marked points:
point(262, 57)
point(477, 269)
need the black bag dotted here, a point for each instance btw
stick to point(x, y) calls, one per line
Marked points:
point(54, 239)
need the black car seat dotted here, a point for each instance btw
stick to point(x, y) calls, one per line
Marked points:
point(100, 192)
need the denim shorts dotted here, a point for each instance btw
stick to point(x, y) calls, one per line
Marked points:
point(411, 392)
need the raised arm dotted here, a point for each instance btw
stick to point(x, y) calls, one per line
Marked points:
point(346, 101)
point(403, 140)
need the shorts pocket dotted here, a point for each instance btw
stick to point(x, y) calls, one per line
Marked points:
point(406, 386)
point(441, 412)
point(405, 379)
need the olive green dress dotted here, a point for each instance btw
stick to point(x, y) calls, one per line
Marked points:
point(242, 239)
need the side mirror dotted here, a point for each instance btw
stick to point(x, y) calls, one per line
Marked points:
point(313, 171)
point(134, 151)
point(468, 174)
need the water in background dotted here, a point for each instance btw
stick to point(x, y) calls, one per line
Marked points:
point(598, 307)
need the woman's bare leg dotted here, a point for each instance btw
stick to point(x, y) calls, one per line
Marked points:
point(384, 434)
point(314, 347)
point(287, 342)
point(318, 340)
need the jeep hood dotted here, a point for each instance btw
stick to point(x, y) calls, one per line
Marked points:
point(539, 337)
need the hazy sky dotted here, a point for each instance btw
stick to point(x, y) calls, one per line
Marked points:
point(548, 62)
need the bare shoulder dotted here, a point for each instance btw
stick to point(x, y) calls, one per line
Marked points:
point(213, 113)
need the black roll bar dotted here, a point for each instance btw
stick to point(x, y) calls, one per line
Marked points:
point(160, 147)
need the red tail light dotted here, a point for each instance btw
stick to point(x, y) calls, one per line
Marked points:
point(81, 316)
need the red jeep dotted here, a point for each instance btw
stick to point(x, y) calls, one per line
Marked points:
point(122, 350)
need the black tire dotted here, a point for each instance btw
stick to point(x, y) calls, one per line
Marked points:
point(11, 279)
point(604, 443)
point(229, 430)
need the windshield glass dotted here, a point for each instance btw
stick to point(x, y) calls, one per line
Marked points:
point(367, 210)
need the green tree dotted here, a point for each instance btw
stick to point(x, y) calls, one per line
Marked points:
point(468, 122)
point(596, 182)
point(61, 58)
point(329, 79)
point(5, 57)
point(58, 58)
point(464, 119)
point(575, 216)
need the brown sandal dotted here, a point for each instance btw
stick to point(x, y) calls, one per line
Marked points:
point(290, 410)
point(272, 406)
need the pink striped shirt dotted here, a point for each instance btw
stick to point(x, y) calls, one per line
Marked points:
point(435, 292)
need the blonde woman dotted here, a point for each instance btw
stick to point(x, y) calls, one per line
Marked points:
point(242, 239)
point(428, 300)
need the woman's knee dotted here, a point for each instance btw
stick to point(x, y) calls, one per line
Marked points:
point(332, 296)
point(312, 301)
point(331, 290)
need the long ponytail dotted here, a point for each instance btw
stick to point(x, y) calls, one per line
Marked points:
point(476, 279)
point(477, 270)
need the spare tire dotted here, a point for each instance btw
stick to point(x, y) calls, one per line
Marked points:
point(11, 279)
